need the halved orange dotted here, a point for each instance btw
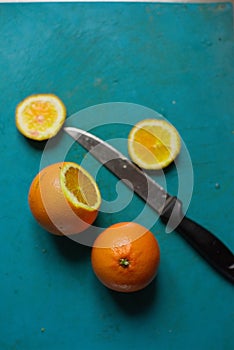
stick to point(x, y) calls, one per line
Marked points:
point(153, 143)
point(64, 198)
point(40, 117)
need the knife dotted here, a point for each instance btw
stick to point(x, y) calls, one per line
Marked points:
point(169, 208)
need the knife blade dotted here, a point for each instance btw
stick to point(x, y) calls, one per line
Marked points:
point(168, 207)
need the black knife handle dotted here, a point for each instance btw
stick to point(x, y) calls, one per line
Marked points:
point(207, 244)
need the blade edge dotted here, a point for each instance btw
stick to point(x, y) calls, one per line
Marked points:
point(133, 177)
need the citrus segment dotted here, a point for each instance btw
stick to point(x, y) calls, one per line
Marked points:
point(40, 117)
point(55, 201)
point(80, 187)
point(153, 144)
point(125, 257)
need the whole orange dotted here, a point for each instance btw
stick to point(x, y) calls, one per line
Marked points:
point(125, 257)
point(64, 198)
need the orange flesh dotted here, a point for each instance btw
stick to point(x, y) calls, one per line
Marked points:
point(78, 184)
point(157, 149)
point(39, 113)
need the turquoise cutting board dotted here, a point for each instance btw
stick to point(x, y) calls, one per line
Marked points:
point(176, 59)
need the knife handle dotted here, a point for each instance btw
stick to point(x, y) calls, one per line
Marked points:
point(206, 243)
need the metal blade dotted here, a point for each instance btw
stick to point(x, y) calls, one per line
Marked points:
point(122, 167)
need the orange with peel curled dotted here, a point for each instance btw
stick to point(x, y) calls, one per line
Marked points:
point(64, 198)
point(40, 117)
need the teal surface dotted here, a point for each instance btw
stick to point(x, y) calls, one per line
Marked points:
point(171, 58)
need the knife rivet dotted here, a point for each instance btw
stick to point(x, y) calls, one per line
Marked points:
point(124, 166)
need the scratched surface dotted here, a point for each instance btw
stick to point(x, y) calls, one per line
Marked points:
point(174, 59)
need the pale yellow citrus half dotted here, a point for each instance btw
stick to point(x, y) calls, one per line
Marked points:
point(153, 144)
point(40, 117)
